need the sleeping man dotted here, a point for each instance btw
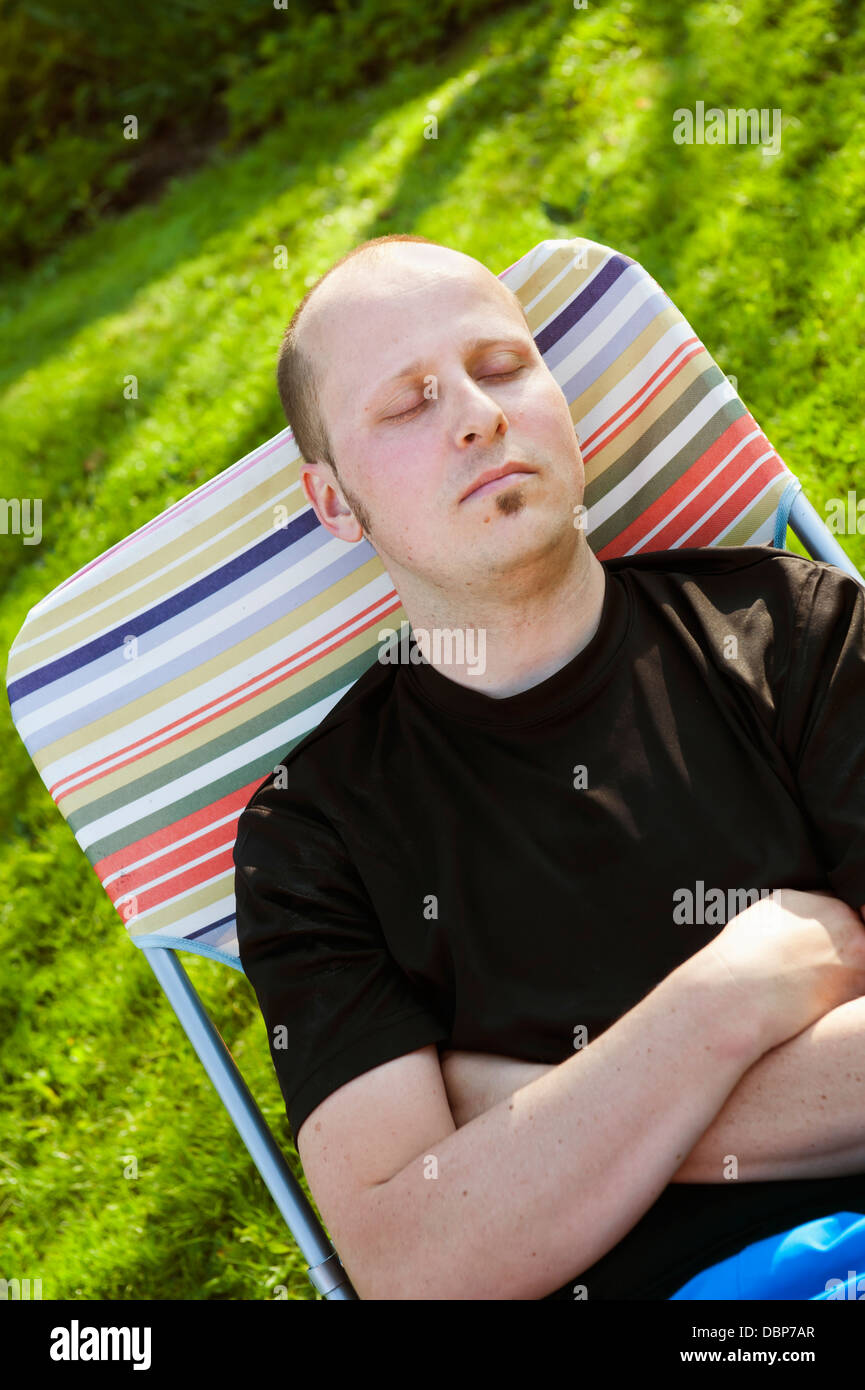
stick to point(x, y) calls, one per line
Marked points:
point(561, 955)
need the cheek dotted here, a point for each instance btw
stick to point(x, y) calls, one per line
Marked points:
point(559, 416)
point(398, 484)
point(408, 467)
point(546, 418)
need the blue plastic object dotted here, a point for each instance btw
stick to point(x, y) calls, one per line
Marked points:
point(822, 1259)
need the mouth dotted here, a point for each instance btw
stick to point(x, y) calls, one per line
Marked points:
point(493, 484)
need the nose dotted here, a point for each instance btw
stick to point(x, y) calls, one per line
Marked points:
point(479, 416)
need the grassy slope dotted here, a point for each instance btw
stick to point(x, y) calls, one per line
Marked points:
point(552, 122)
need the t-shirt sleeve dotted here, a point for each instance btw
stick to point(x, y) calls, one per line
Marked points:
point(822, 723)
point(334, 1001)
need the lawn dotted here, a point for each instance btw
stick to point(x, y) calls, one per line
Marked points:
point(137, 360)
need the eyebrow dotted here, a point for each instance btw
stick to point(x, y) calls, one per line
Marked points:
point(473, 346)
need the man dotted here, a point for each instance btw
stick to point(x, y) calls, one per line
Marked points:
point(520, 1057)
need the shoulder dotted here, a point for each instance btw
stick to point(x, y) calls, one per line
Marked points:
point(783, 609)
point(720, 560)
point(741, 575)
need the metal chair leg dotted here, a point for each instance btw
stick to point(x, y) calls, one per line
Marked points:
point(324, 1268)
point(816, 537)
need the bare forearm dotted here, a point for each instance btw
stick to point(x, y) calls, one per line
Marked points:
point(798, 1112)
point(535, 1189)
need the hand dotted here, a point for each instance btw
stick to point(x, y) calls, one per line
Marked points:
point(795, 957)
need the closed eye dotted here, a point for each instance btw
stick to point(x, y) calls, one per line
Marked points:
point(412, 410)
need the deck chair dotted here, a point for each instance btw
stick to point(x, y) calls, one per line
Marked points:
point(160, 685)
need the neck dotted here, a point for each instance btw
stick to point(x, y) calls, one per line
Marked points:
point(515, 635)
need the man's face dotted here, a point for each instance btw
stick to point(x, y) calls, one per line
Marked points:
point(478, 396)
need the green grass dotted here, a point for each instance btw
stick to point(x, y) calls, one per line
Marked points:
point(551, 123)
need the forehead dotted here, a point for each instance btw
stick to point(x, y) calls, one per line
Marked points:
point(384, 315)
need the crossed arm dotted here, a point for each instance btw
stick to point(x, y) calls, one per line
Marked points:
point(798, 1112)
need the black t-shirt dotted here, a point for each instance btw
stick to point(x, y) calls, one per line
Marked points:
point(437, 865)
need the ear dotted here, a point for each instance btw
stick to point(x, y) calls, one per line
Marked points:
point(325, 498)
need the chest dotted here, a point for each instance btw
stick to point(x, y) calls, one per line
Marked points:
point(526, 882)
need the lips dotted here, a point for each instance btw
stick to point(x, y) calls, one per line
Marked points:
point(496, 477)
